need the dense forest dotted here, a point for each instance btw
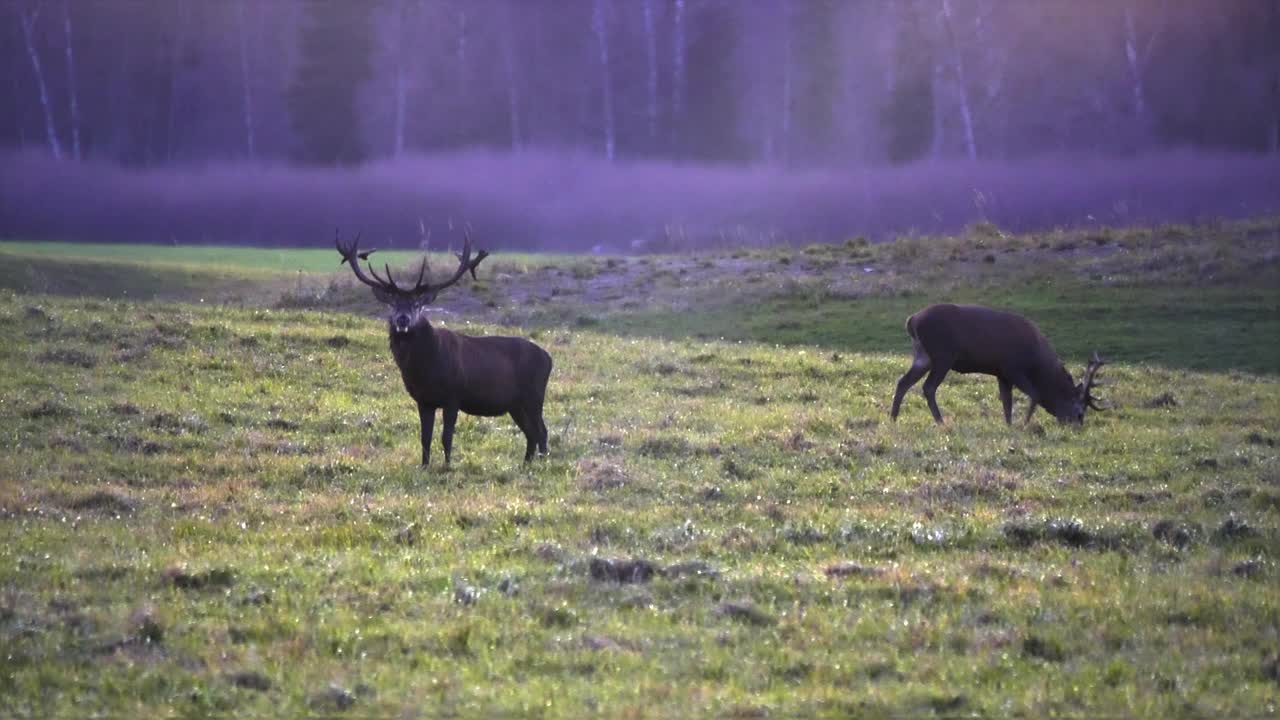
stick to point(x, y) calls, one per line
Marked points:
point(785, 83)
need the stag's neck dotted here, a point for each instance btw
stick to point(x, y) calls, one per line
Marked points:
point(1061, 382)
point(414, 346)
point(1056, 388)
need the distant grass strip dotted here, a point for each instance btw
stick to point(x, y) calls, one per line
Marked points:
point(281, 260)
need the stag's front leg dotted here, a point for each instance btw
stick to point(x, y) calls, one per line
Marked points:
point(1023, 384)
point(446, 439)
point(427, 418)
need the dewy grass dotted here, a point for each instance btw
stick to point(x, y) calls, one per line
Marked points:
point(217, 510)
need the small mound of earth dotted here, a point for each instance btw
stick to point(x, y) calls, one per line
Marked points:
point(852, 569)
point(103, 502)
point(635, 570)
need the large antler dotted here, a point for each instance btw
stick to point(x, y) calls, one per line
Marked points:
point(1095, 363)
point(351, 254)
point(465, 264)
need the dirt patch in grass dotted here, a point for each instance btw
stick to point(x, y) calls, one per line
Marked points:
point(607, 643)
point(1175, 533)
point(331, 699)
point(99, 502)
point(598, 474)
point(64, 441)
point(48, 409)
point(667, 447)
point(136, 444)
point(634, 570)
point(1070, 532)
point(849, 569)
point(1232, 529)
point(1044, 648)
point(278, 423)
point(175, 424)
point(125, 409)
point(745, 612)
point(1251, 568)
point(249, 680)
point(212, 579)
point(984, 485)
point(1163, 400)
point(69, 356)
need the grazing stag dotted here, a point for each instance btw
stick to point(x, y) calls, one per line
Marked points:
point(971, 339)
point(486, 376)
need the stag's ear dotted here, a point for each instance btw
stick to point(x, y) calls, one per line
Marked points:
point(386, 297)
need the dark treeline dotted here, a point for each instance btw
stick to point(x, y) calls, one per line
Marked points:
point(788, 83)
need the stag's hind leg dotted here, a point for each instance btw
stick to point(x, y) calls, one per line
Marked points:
point(931, 383)
point(529, 427)
point(920, 365)
point(450, 418)
point(539, 425)
point(536, 415)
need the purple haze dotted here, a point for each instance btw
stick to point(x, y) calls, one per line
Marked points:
point(555, 201)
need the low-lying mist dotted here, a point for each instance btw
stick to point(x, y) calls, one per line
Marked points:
point(570, 202)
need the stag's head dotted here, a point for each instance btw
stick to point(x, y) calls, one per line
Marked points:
point(1083, 398)
point(405, 305)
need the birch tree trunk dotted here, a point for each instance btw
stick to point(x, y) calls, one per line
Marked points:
point(460, 50)
point(935, 141)
point(71, 81)
point(513, 87)
point(1273, 138)
point(397, 140)
point(15, 91)
point(244, 84)
point(1135, 67)
point(600, 26)
point(651, 47)
point(678, 74)
point(1138, 55)
point(957, 60)
point(28, 22)
point(1273, 134)
point(788, 89)
point(175, 63)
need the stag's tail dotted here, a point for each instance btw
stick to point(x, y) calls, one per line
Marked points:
point(911, 327)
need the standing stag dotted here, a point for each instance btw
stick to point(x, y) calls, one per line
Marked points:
point(972, 339)
point(485, 376)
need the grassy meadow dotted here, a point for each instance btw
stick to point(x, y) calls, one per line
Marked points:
point(210, 503)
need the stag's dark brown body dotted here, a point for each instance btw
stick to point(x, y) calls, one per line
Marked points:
point(973, 339)
point(452, 372)
point(485, 376)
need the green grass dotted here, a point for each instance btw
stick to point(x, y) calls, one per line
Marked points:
point(1218, 328)
point(216, 510)
point(291, 260)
